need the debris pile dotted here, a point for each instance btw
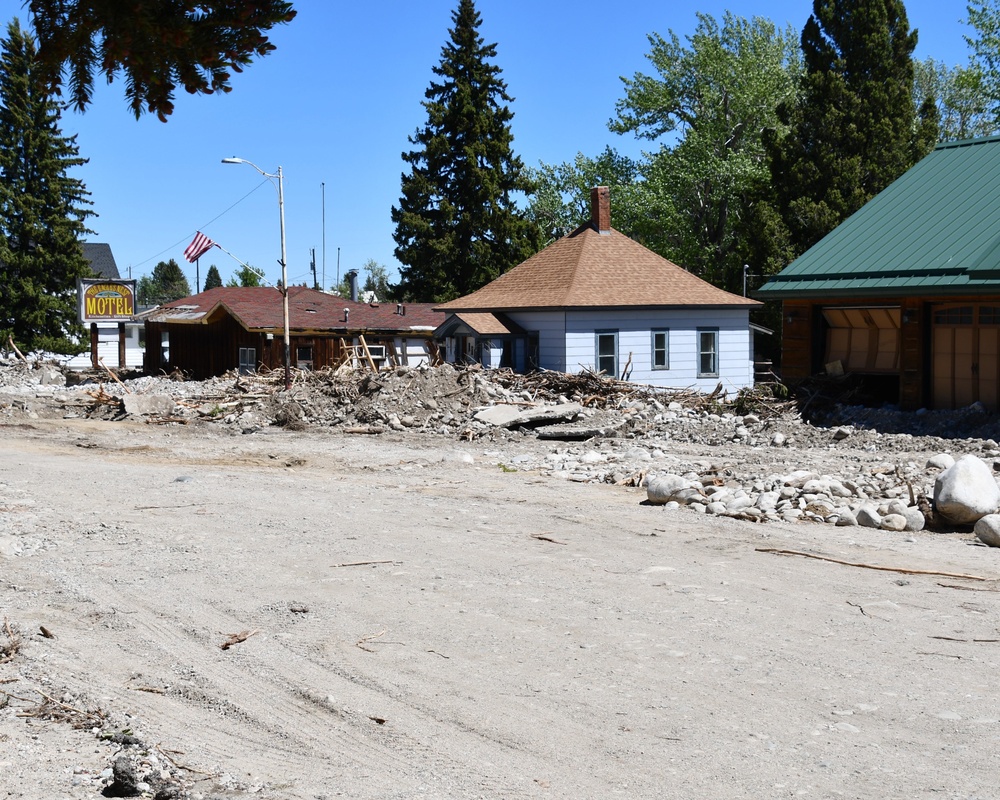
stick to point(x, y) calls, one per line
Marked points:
point(589, 428)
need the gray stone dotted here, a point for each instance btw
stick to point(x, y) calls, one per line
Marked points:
point(893, 522)
point(846, 518)
point(966, 491)
point(868, 517)
point(141, 405)
point(987, 530)
point(501, 416)
point(940, 461)
point(664, 488)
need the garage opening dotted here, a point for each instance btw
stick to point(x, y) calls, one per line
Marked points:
point(865, 341)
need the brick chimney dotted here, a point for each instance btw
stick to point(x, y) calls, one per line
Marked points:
point(600, 209)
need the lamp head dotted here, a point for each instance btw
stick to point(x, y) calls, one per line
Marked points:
point(233, 160)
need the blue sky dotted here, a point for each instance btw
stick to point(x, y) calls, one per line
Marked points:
point(334, 104)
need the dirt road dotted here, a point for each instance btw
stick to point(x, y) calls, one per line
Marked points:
point(512, 636)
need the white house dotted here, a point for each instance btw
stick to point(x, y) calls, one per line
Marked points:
point(597, 300)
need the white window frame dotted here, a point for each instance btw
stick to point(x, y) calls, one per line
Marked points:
point(710, 335)
point(665, 349)
point(597, 352)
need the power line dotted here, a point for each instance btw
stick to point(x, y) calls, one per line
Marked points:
point(187, 237)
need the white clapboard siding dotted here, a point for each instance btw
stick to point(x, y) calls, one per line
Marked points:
point(551, 329)
point(635, 328)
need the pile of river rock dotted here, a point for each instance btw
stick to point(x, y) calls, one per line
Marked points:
point(752, 466)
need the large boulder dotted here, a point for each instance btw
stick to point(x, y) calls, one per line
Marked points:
point(966, 491)
point(663, 489)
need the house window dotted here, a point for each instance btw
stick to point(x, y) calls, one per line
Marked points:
point(708, 352)
point(304, 356)
point(661, 351)
point(248, 360)
point(607, 353)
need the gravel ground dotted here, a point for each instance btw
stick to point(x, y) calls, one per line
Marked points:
point(449, 609)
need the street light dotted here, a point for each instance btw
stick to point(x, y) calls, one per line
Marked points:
point(284, 261)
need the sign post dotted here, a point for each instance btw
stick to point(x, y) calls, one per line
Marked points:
point(108, 301)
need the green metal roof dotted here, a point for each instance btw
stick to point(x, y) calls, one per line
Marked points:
point(934, 231)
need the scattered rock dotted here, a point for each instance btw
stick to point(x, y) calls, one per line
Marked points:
point(966, 491)
point(987, 530)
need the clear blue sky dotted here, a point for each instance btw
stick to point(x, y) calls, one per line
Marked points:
point(334, 105)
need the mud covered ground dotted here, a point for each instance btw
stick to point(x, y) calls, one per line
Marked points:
point(430, 615)
point(446, 609)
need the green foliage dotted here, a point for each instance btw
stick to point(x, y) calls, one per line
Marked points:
point(959, 94)
point(212, 278)
point(166, 284)
point(42, 209)
point(708, 105)
point(457, 225)
point(854, 128)
point(245, 276)
point(157, 46)
point(561, 202)
point(377, 281)
point(984, 18)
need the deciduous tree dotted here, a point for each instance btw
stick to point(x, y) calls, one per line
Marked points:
point(708, 105)
point(457, 223)
point(156, 45)
point(245, 276)
point(42, 209)
point(561, 201)
point(959, 94)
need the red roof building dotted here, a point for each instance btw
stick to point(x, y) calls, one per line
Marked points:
point(242, 328)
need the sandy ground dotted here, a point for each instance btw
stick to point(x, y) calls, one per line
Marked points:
point(631, 652)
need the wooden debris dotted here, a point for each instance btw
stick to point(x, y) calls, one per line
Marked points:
point(365, 429)
point(51, 709)
point(901, 570)
point(13, 644)
point(370, 638)
point(10, 341)
point(543, 538)
point(236, 638)
point(364, 563)
point(46, 632)
point(113, 376)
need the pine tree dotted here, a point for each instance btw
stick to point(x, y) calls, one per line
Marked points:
point(42, 209)
point(457, 225)
point(854, 128)
point(167, 283)
point(212, 278)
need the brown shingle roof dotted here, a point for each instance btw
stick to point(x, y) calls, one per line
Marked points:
point(260, 308)
point(587, 269)
point(489, 324)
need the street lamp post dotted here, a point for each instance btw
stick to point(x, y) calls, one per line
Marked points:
point(284, 261)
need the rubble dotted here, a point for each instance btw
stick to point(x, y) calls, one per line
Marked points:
point(588, 428)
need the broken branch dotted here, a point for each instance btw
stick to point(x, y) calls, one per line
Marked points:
point(902, 570)
point(236, 638)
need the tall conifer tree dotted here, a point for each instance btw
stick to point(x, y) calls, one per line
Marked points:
point(42, 208)
point(457, 225)
point(212, 278)
point(853, 128)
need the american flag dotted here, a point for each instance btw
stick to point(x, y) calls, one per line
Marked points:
point(200, 245)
